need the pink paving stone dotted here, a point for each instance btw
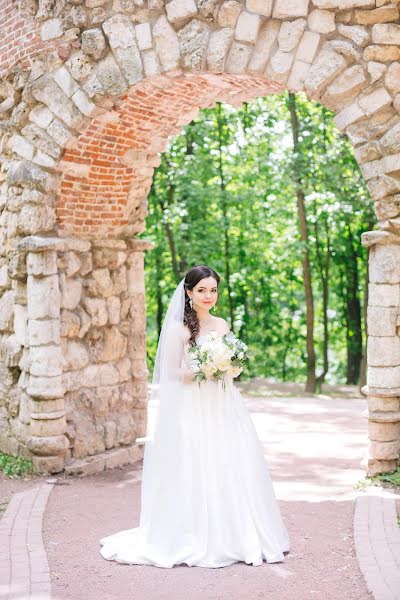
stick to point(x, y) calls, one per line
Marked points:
point(23, 559)
point(313, 448)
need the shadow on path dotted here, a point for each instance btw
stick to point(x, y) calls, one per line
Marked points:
point(313, 450)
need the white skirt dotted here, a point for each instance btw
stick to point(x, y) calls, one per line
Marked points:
point(214, 503)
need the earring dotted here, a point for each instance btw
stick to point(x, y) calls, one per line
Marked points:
point(191, 303)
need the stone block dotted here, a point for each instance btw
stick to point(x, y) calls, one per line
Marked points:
point(381, 53)
point(391, 140)
point(97, 309)
point(262, 49)
point(381, 320)
point(285, 9)
point(298, 76)
point(82, 102)
point(384, 450)
point(36, 219)
point(43, 297)
point(238, 58)
point(48, 427)
point(180, 10)
point(375, 101)
point(384, 264)
point(93, 43)
point(41, 264)
point(382, 14)
point(166, 43)
point(387, 210)
point(324, 69)
point(193, 40)
point(104, 282)
point(344, 4)
point(48, 464)
point(349, 83)
point(7, 310)
point(151, 63)
point(22, 147)
point(71, 292)
point(383, 404)
point(45, 361)
point(247, 27)
point(382, 294)
point(321, 21)
point(376, 70)
point(70, 324)
point(46, 331)
point(383, 351)
point(279, 66)
point(382, 186)
point(367, 152)
point(386, 33)
point(5, 281)
point(69, 262)
point(143, 36)
point(290, 34)
point(392, 78)
point(228, 13)
point(63, 78)
point(45, 387)
point(356, 33)
point(28, 175)
point(51, 29)
point(262, 7)
point(49, 446)
point(74, 355)
point(114, 310)
point(105, 79)
point(308, 46)
point(20, 324)
point(120, 32)
point(220, 41)
point(47, 91)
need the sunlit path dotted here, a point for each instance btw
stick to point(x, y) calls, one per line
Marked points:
point(313, 447)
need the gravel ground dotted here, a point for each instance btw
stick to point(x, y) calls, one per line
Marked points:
point(313, 447)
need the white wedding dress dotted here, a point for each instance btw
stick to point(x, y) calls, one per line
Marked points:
point(216, 503)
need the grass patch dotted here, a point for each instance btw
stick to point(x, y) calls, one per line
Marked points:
point(16, 466)
point(391, 479)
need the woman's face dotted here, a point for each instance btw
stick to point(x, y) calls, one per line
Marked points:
point(204, 294)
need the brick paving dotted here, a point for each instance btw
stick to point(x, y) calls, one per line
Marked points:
point(322, 563)
point(377, 542)
point(24, 569)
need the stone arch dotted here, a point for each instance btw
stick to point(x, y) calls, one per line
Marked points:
point(89, 100)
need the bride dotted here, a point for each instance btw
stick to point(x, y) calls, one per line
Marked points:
point(207, 499)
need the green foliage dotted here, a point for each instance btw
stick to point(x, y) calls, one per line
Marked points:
point(224, 196)
point(16, 466)
point(391, 479)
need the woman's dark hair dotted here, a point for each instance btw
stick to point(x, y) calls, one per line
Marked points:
point(192, 278)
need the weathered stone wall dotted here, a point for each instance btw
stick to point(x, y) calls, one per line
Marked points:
point(88, 100)
point(74, 376)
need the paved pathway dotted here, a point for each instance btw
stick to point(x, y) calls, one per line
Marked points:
point(313, 449)
point(377, 542)
point(24, 570)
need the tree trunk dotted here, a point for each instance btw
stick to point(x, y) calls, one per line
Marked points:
point(353, 305)
point(225, 220)
point(302, 216)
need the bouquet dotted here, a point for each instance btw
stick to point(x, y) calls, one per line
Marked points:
point(218, 357)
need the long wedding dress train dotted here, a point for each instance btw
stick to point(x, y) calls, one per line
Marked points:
point(216, 503)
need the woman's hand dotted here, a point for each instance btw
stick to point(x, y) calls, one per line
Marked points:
point(187, 375)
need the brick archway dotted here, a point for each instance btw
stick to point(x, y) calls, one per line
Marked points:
point(90, 95)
